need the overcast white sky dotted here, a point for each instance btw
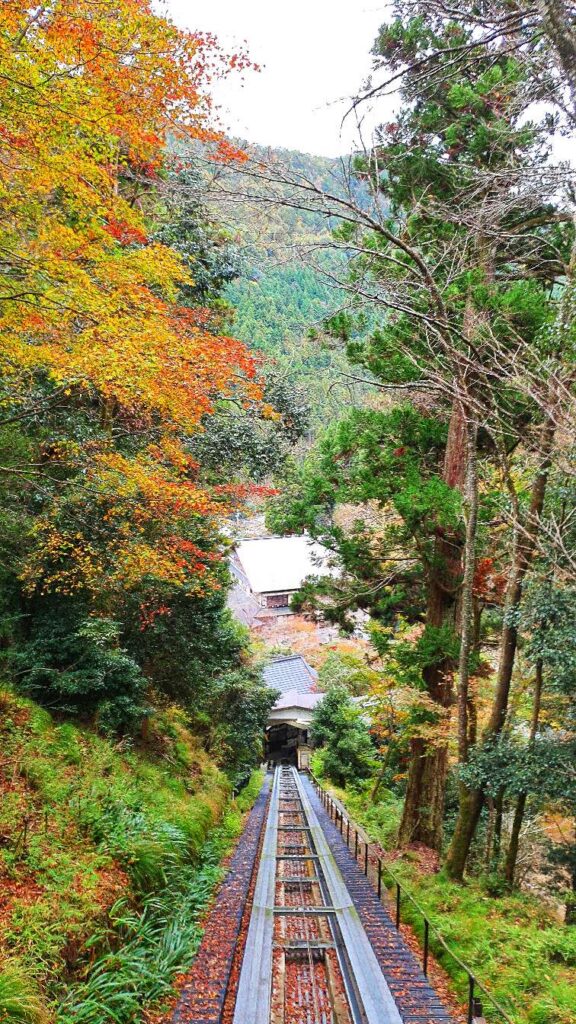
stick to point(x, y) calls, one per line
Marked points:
point(313, 52)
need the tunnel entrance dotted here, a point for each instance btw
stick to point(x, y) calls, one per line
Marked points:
point(285, 744)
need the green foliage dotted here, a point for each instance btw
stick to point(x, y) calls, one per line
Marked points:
point(239, 708)
point(204, 246)
point(195, 653)
point(341, 727)
point(244, 443)
point(347, 670)
point(548, 620)
point(542, 767)
point(411, 658)
point(277, 304)
point(187, 648)
point(75, 664)
point(394, 460)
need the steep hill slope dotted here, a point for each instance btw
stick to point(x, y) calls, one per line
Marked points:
point(109, 853)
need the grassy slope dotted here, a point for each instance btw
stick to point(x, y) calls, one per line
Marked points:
point(108, 858)
point(520, 952)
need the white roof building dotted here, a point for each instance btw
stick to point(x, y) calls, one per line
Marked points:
point(274, 568)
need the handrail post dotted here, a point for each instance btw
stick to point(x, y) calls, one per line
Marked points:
point(470, 998)
point(397, 906)
point(366, 859)
point(379, 878)
point(348, 832)
point(426, 944)
point(355, 844)
point(341, 823)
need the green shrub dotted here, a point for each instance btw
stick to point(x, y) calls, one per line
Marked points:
point(248, 794)
point(116, 865)
point(75, 663)
point(20, 1002)
point(341, 727)
point(152, 945)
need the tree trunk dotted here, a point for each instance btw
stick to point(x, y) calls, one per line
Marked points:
point(499, 813)
point(489, 834)
point(466, 611)
point(513, 846)
point(382, 772)
point(423, 811)
point(469, 810)
point(472, 721)
point(512, 853)
point(570, 916)
point(471, 805)
point(469, 620)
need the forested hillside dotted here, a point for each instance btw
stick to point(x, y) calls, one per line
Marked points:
point(287, 282)
point(277, 306)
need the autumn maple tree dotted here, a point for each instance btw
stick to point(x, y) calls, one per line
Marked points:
point(89, 308)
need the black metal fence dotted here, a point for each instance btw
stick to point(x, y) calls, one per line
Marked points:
point(479, 998)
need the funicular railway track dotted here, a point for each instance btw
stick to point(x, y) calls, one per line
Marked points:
point(307, 958)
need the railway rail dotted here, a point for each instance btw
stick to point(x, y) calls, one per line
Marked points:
point(307, 958)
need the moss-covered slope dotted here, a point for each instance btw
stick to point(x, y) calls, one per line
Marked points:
point(108, 855)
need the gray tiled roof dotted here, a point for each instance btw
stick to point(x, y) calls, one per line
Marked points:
point(290, 673)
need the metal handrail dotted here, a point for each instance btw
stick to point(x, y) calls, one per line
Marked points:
point(474, 1004)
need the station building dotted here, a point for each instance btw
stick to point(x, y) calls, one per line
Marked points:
point(289, 722)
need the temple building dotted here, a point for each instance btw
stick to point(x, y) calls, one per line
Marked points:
point(271, 569)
